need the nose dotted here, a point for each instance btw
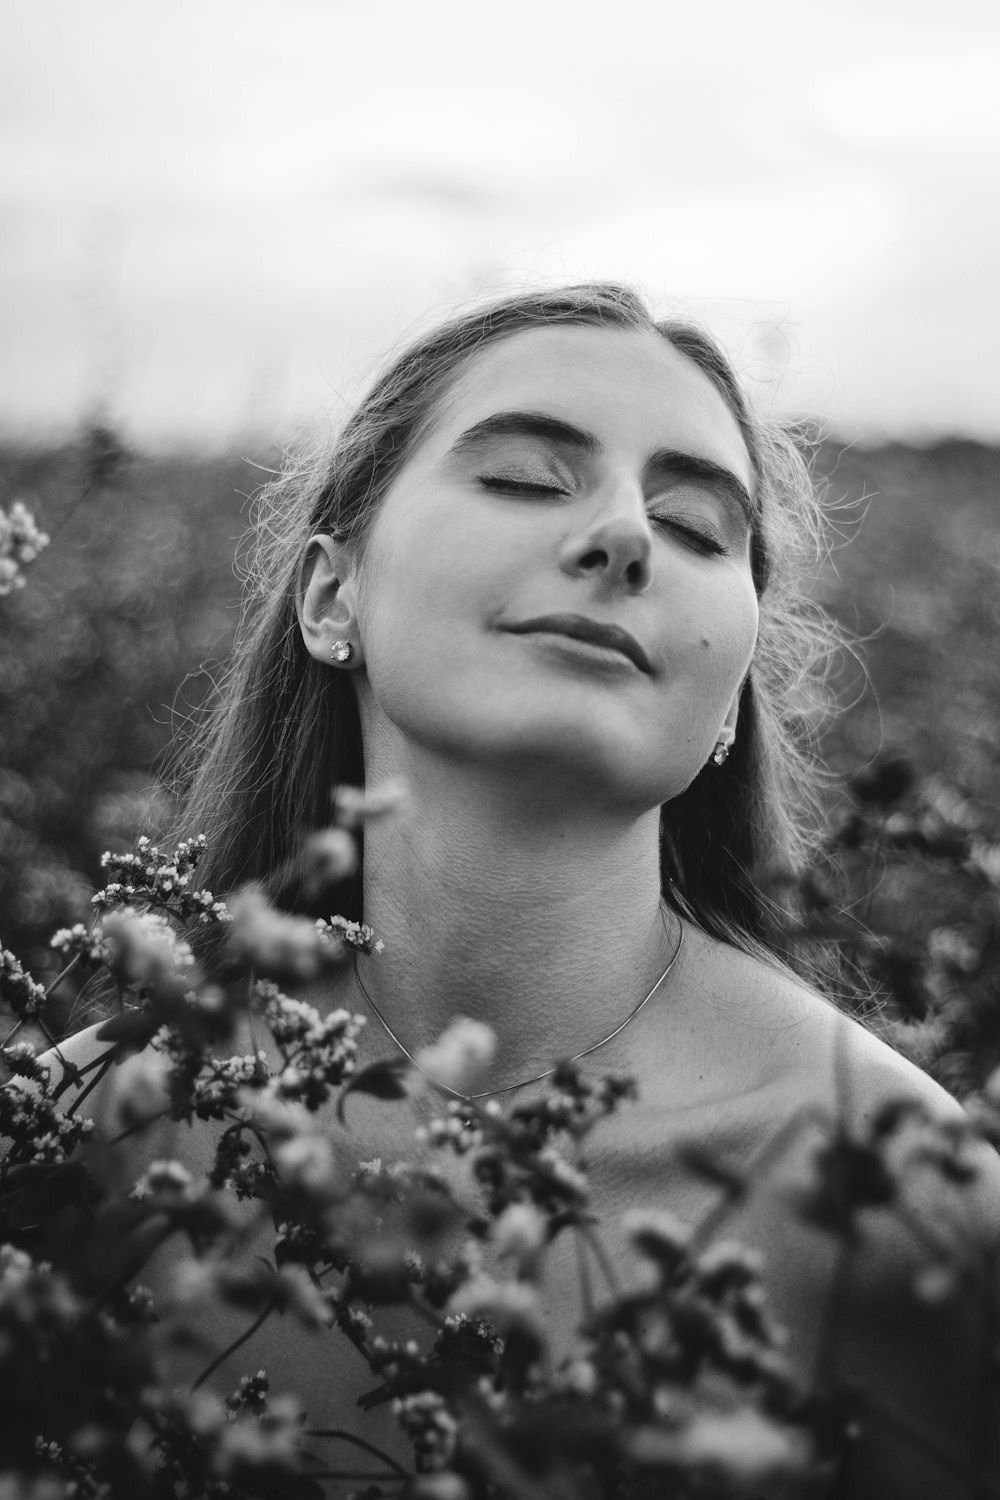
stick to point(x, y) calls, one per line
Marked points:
point(615, 545)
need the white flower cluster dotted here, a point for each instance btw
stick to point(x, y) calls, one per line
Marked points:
point(508, 1305)
point(318, 1050)
point(355, 1322)
point(17, 988)
point(250, 1395)
point(278, 944)
point(569, 1178)
point(147, 875)
point(429, 1425)
point(76, 940)
point(214, 1093)
point(20, 543)
point(147, 864)
point(356, 934)
point(308, 1164)
point(391, 1357)
point(984, 860)
point(456, 1130)
point(355, 805)
point(30, 1120)
point(744, 1447)
point(22, 1060)
point(521, 1233)
point(460, 1054)
point(140, 948)
point(164, 1179)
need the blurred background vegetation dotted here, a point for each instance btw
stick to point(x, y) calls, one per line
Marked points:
point(128, 616)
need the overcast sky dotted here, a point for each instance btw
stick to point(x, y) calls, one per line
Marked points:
point(216, 214)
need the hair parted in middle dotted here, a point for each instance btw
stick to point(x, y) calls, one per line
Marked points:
point(284, 729)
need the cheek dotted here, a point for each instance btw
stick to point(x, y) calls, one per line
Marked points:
point(726, 634)
point(736, 637)
point(424, 585)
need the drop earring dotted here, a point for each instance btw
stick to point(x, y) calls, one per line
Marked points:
point(342, 651)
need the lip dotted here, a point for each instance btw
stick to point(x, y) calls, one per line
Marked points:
point(579, 628)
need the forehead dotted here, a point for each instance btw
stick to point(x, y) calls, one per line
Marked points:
point(630, 388)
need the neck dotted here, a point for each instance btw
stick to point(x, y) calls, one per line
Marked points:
point(542, 920)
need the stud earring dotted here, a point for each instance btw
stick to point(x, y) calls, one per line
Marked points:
point(342, 651)
point(722, 747)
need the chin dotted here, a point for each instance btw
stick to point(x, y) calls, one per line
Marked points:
point(574, 760)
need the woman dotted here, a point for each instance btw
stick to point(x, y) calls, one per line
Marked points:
point(547, 578)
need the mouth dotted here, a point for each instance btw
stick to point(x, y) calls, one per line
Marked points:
point(579, 628)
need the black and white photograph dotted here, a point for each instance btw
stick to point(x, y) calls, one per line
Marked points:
point(499, 750)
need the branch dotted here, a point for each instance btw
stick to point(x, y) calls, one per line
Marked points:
point(102, 1065)
point(592, 1239)
point(781, 1139)
point(583, 1271)
point(237, 1343)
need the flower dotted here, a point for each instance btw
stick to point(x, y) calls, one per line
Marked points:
point(20, 543)
point(357, 805)
point(17, 988)
point(319, 1051)
point(521, 1233)
point(164, 1178)
point(77, 941)
point(308, 1163)
point(144, 950)
point(250, 1395)
point(277, 944)
point(328, 857)
point(147, 876)
point(338, 930)
point(430, 1426)
point(657, 1234)
point(744, 1445)
point(459, 1055)
point(508, 1304)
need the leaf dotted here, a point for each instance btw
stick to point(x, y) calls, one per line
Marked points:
point(382, 1080)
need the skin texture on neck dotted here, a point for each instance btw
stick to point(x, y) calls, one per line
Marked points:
point(497, 903)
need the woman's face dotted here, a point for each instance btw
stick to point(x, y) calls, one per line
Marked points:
point(558, 582)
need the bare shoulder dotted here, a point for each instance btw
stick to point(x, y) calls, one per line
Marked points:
point(83, 1050)
point(896, 1293)
point(115, 1089)
point(790, 1035)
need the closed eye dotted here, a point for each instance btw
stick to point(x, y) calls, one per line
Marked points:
point(512, 485)
point(697, 537)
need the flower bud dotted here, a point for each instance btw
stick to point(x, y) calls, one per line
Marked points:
point(520, 1232)
point(459, 1055)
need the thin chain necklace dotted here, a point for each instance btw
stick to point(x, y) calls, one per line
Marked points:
point(508, 1088)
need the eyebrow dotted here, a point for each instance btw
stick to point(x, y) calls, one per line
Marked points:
point(665, 463)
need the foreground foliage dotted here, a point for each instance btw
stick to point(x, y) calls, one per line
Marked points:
point(679, 1388)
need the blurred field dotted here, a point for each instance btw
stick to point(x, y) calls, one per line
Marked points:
point(130, 611)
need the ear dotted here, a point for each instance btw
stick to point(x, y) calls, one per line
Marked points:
point(326, 600)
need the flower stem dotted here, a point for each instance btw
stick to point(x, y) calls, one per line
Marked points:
point(237, 1343)
point(602, 1257)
